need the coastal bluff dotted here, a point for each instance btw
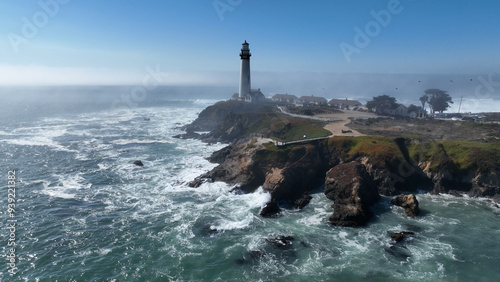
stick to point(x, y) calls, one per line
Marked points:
point(352, 171)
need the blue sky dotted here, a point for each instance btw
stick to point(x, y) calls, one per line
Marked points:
point(191, 42)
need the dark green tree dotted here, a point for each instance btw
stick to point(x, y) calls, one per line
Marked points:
point(381, 103)
point(413, 108)
point(424, 99)
point(438, 100)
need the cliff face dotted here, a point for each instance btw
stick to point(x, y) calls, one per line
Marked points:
point(352, 191)
point(236, 166)
point(353, 170)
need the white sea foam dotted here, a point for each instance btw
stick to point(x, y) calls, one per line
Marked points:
point(38, 141)
point(58, 192)
point(6, 133)
point(137, 141)
point(225, 224)
point(237, 209)
point(66, 187)
point(205, 102)
point(104, 166)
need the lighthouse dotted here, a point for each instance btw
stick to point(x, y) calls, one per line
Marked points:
point(246, 93)
point(245, 70)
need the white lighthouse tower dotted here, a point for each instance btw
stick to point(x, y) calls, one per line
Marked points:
point(245, 71)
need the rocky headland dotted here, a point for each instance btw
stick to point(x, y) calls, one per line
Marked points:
point(352, 171)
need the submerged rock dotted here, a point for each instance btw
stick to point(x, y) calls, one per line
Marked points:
point(353, 191)
point(398, 252)
point(409, 203)
point(138, 163)
point(281, 241)
point(188, 135)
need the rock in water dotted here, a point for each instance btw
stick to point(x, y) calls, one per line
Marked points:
point(409, 203)
point(400, 236)
point(352, 190)
point(271, 209)
point(302, 202)
point(138, 163)
point(281, 241)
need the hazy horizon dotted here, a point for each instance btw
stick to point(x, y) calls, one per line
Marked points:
point(408, 91)
point(334, 49)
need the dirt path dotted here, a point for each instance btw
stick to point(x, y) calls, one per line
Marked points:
point(337, 127)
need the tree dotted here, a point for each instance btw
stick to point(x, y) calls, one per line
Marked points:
point(413, 108)
point(438, 100)
point(382, 103)
point(424, 99)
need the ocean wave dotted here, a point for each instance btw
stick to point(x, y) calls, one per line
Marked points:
point(137, 141)
point(66, 186)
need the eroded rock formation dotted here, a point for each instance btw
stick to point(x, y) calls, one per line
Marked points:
point(353, 191)
point(409, 203)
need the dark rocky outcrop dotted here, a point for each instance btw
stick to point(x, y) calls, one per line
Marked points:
point(400, 236)
point(409, 203)
point(138, 163)
point(271, 209)
point(486, 185)
point(188, 135)
point(197, 182)
point(302, 202)
point(353, 191)
point(302, 173)
point(236, 167)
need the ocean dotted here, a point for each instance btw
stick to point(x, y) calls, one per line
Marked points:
point(84, 212)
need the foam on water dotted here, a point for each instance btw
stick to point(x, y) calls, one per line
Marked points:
point(137, 141)
point(237, 210)
point(90, 214)
point(66, 187)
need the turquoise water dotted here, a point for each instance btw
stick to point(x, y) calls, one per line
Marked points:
point(85, 213)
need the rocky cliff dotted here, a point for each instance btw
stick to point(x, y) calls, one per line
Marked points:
point(237, 122)
point(354, 171)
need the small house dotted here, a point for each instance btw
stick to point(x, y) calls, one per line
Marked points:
point(344, 104)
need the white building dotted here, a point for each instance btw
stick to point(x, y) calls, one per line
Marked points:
point(344, 103)
point(284, 98)
point(310, 100)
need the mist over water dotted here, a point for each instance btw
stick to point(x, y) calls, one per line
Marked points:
point(477, 93)
point(86, 213)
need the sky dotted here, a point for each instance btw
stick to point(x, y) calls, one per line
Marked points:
point(337, 45)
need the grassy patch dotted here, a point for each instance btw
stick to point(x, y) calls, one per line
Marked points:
point(299, 127)
point(459, 156)
point(278, 156)
point(465, 154)
point(382, 151)
point(473, 155)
